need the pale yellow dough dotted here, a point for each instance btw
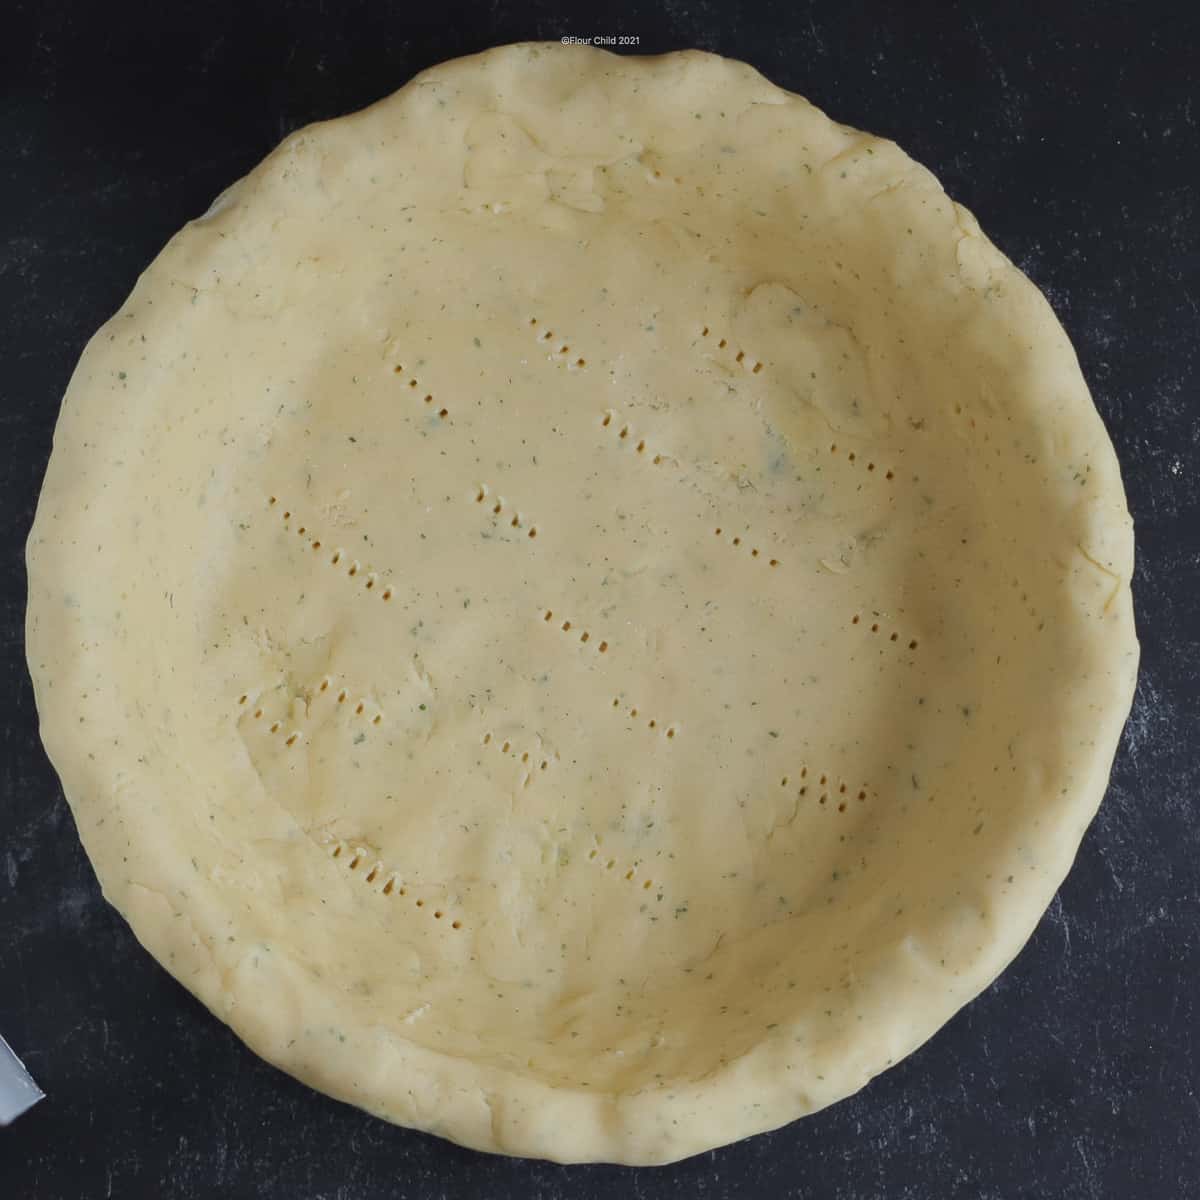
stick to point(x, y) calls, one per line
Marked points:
point(584, 608)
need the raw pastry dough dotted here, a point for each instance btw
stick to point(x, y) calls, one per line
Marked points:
point(584, 608)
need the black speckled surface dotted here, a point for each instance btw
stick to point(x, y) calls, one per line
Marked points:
point(1073, 132)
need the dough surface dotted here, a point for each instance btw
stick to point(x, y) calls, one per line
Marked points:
point(584, 608)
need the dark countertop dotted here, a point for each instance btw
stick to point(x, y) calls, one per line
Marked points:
point(1073, 135)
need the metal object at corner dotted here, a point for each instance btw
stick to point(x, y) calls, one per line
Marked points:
point(18, 1092)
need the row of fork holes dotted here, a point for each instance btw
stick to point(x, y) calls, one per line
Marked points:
point(566, 627)
point(335, 559)
point(343, 697)
point(842, 792)
point(506, 747)
point(624, 433)
point(737, 540)
point(609, 864)
point(852, 456)
point(398, 369)
point(389, 888)
point(754, 366)
point(482, 493)
point(651, 723)
point(874, 627)
point(562, 351)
